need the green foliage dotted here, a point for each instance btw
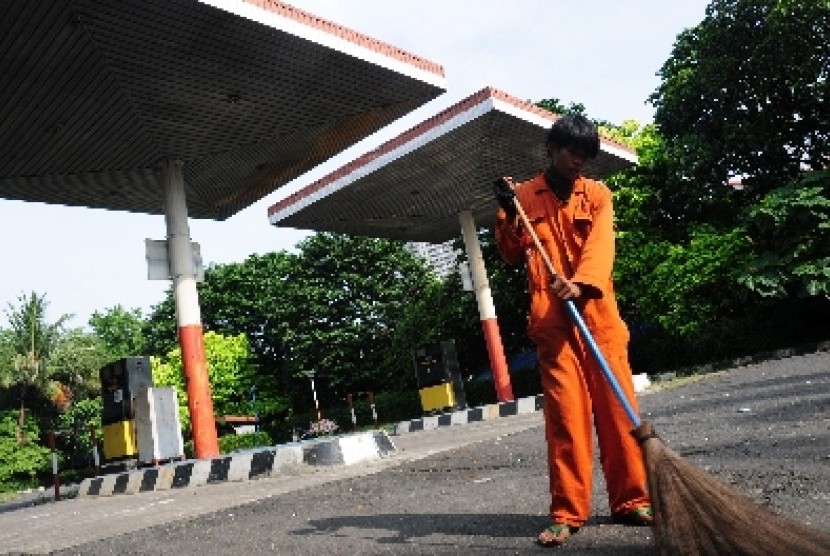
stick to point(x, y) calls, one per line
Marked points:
point(230, 371)
point(627, 133)
point(76, 361)
point(555, 105)
point(78, 419)
point(345, 305)
point(390, 407)
point(31, 332)
point(159, 329)
point(20, 462)
point(250, 298)
point(525, 383)
point(31, 340)
point(7, 357)
point(120, 330)
point(687, 289)
point(443, 312)
point(705, 271)
point(733, 103)
point(230, 443)
point(237, 442)
point(790, 227)
point(29, 344)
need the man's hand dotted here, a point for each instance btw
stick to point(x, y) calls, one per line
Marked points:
point(565, 289)
point(503, 190)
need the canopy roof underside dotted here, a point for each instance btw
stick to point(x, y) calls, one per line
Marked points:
point(248, 95)
point(414, 186)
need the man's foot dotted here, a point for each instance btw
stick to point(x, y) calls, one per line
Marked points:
point(638, 517)
point(556, 534)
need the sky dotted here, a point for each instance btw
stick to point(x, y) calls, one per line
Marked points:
point(602, 53)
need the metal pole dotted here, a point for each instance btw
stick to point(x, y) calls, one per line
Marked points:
point(95, 458)
point(316, 403)
point(55, 479)
point(188, 315)
point(256, 414)
point(351, 410)
point(372, 404)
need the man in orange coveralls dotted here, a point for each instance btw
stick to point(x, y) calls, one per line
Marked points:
point(573, 218)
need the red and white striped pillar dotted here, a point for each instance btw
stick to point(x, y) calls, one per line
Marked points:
point(188, 315)
point(486, 309)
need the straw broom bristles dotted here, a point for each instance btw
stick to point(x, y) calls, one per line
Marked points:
point(694, 514)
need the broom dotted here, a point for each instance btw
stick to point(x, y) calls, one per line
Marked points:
point(693, 513)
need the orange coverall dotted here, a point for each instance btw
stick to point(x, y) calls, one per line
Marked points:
point(579, 239)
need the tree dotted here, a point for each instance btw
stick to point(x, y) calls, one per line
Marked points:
point(330, 308)
point(745, 94)
point(120, 330)
point(76, 360)
point(443, 312)
point(555, 105)
point(790, 227)
point(160, 330)
point(31, 340)
point(346, 300)
point(249, 298)
point(21, 460)
point(231, 372)
point(733, 104)
point(240, 298)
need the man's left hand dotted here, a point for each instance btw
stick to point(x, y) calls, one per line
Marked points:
point(565, 289)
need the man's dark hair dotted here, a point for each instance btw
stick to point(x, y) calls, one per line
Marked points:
point(576, 132)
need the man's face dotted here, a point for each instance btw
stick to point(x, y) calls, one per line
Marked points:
point(568, 161)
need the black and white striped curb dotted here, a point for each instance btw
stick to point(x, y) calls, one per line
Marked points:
point(520, 406)
point(641, 381)
point(482, 413)
point(248, 465)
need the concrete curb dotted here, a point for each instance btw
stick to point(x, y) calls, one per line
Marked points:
point(519, 406)
point(247, 465)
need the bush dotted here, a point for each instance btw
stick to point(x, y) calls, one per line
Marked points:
point(390, 407)
point(76, 446)
point(21, 463)
point(235, 442)
point(524, 382)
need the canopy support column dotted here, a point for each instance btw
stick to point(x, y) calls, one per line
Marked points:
point(188, 315)
point(486, 309)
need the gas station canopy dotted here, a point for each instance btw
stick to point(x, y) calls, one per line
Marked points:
point(414, 186)
point(247, 94)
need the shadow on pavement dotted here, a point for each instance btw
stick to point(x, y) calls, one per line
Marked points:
point(435, 531)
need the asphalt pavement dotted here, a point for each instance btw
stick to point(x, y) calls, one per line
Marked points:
point(479, 487)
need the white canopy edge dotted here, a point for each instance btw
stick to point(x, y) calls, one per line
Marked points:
point(425, 132)
point(347, 41)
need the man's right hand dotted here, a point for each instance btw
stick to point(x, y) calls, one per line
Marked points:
point(503, 190)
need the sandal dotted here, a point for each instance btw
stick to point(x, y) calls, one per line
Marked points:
point(638, 517)
point(556, 534)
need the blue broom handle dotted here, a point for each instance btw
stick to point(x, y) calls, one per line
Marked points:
point(603, 364)
point(580, 324)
